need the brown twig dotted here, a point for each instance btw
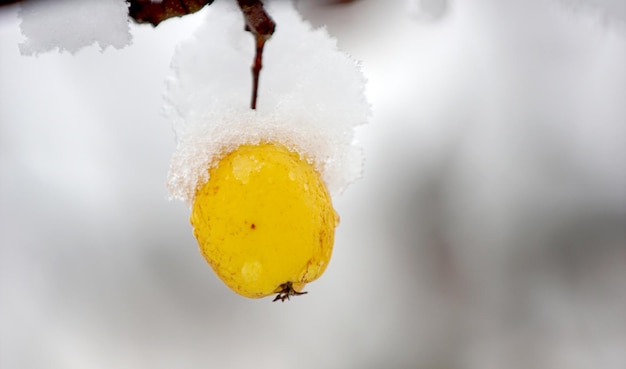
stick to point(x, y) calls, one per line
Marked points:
point(146, 11)
point(261, 25)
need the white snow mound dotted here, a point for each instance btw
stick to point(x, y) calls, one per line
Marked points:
point(71, 25)
point(311, 97)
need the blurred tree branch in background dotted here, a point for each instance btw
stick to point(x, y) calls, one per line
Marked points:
point(147, 11)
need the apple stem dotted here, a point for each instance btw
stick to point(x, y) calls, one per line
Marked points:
point(261, 25)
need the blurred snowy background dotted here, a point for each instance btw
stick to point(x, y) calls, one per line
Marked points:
point(488, 231)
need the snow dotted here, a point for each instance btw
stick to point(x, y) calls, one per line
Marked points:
point(311, 97)
point(487, 230)
point(70, 25)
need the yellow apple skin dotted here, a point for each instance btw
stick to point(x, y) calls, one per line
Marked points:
point(264, 221)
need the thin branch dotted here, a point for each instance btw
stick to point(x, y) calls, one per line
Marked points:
point(146, 11)
point(261, 25)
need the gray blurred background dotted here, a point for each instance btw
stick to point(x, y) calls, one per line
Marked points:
point(488, 231)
